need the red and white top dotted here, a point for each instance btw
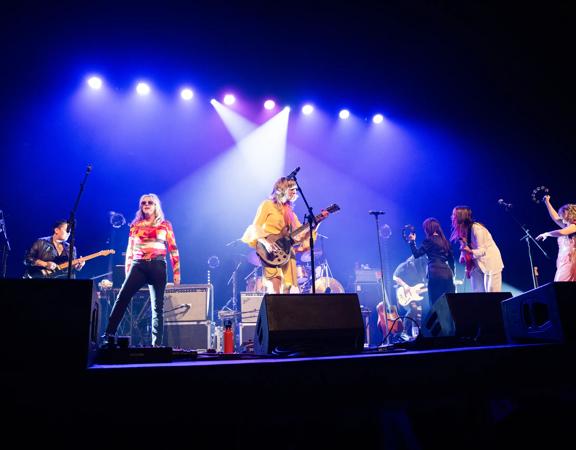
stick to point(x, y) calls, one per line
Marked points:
point(147, 242)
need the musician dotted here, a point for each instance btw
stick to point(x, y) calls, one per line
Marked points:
point(151, 237)
point(565, 218)
point(410, 277)
point(274, 215)
point(440, 258)
point(47, 252)
point(478, 246)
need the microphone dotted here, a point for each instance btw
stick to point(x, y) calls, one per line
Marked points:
point(293, 173)
point(504, 204)
point(89, 168)
point(376, 213)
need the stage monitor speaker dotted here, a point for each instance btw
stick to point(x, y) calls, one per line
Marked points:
point(309, 324)
point(467, 318)
point(187, 302)
point(544, 314)
point(48, 321)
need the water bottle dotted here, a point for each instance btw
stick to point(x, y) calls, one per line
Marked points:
point(228, 338)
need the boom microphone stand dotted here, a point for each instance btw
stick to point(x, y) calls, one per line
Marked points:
point(527, 237)
point(72, 221)
point(386, 340)
point(311, 219)
point(5, 245)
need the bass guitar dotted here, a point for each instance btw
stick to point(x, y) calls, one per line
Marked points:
point(58, 272)
point(407, 294)
point(285, 241)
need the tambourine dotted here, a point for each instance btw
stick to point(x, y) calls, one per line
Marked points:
point(407, 230)
point(539, 193)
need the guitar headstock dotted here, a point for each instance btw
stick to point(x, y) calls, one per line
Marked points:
point(539, 193)
point(107, 252)
point(332, 208)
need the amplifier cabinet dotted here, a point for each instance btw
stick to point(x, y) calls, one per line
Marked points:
point(250, 306)
point(187, 302)
point(193, 335)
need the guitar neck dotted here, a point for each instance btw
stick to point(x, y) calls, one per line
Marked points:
point(64, 265)
point(319, 218)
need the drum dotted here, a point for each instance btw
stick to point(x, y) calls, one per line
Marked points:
point(327, 285)
point(302, 274)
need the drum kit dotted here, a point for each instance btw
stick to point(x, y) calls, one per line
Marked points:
point(325, 282)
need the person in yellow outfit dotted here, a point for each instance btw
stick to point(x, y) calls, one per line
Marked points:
point(274, 215)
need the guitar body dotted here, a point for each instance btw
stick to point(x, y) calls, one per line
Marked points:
point(468, 259)
point(389, 321)
point(410, 294)
point(285, 241)
point(280, 257)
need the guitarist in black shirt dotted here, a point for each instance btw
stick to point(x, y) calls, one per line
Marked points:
point(46, 253)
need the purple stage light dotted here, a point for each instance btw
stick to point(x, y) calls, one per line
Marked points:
point(229, 99)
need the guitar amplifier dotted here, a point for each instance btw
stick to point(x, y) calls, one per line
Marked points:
point(250, 306)
point(187, 302)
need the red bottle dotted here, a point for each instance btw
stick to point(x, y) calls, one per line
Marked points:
point(228, 338)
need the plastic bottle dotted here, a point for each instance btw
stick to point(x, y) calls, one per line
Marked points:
point(228, 338)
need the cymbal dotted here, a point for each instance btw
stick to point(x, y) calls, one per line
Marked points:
point(328, 285)
point(305, 256)
point(253, 258)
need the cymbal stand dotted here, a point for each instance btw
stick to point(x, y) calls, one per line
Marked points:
point(233, 300)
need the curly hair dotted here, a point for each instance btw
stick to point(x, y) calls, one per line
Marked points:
point(568, 212)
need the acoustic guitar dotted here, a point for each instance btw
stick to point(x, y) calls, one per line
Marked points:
point(389, 320)
point(285, 241)
point(42, 272)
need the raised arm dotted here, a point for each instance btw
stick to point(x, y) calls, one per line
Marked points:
point(552, 212)
point(557, 233)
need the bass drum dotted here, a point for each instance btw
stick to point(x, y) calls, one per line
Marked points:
point(327, 285)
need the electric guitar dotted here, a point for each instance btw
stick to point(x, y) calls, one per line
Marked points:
point(468, 259)
point(285, 240)
point(58, 272)
point(407, 294)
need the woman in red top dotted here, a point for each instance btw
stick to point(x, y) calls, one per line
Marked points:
point(151, 238)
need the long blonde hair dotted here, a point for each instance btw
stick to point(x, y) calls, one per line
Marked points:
point(568, 211)
point(280, 188)
point(158, 210)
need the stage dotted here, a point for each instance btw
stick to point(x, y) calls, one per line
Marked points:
point(427, 395)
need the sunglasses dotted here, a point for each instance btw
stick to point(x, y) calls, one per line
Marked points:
point(147, 202)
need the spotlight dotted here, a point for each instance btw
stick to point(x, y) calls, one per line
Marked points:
point(142, 88)
point(187, 94)
point(269, 104)
point(94, 82)
point(229, 99)
point(307, 109)
point(378, 118)
point(344, 114)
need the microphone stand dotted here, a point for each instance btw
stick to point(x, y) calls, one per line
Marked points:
point(311, 219)
point(386, 340)
point(528, 237)
point(5, 245)
point(72, 221)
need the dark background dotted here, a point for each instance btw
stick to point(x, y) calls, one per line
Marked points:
point(484, 92)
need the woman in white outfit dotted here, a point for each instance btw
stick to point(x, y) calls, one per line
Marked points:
point(478, 250)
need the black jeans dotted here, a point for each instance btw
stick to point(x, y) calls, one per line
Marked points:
point(439, 286)
point(142, 272)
